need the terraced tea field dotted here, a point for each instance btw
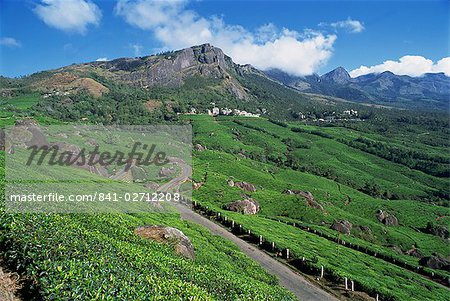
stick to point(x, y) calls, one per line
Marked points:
point(256, 151)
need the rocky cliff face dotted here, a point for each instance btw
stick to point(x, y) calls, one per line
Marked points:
point(171, 69)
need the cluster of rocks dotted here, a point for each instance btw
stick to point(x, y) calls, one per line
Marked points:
point(386, 218)
point(243, 185)
point(437, 230)
point(246, 206)
point(199, 147)
point(342, 226)
point(308, 197)
point(435, 262)
point(165, 172)
point(168, 235)
point(25, 133)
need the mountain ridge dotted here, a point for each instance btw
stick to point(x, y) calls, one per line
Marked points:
point(211, 69)
point(430, 91)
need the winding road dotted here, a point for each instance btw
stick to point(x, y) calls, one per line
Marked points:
point(297, 284)
point(292, 281)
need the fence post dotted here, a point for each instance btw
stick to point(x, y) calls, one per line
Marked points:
point(287, 253)
point(273, 245)
point(353, 286)
point(232, 224)
point(249, 232)
point(346, 283)
point(376, 298)
point(321, 272)
point(260, 240)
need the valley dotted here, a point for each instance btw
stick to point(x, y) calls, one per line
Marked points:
point(363, 202)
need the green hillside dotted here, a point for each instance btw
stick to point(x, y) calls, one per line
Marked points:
point(392, 161)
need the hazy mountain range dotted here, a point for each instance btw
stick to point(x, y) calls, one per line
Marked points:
point(431, 90)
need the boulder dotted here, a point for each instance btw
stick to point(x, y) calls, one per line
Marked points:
point(27, 133)
point(342, 226)
point(435, 262)
point(172, 236)
point(246, 206)
point(230, 183)
point(380, 215)
point(246, 186)
point(365, 229)
point(390, 220)
point(308, 197)
point(199, 147)
point(437, 230)
point(166, 172)
point(386, 218)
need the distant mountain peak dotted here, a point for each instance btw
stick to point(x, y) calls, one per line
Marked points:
point(338, 75)
point(387, 74)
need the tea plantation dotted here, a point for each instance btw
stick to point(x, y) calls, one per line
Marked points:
point(353, 170)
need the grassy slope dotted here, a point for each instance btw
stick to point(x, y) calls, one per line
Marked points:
point(45, 237)
point(219, 166)
point(98, 257)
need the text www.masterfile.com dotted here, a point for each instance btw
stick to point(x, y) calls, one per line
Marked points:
point(97, 196)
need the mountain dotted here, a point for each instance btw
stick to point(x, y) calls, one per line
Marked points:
point(198, 77)
point(169, 69)
point(337, 76)
point(202, 77)
point(430, 91)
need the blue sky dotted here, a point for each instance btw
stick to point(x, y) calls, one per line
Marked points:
point(299, 37)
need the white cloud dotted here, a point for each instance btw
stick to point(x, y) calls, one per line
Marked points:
point(411, 65)
point(69, 15)
point(102, 59)
point(137, 49)
point(267, 47)
point(350, 25)
point(148, 14)
point(10, 42)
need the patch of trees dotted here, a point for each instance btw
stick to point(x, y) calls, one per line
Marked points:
point(119, 106)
